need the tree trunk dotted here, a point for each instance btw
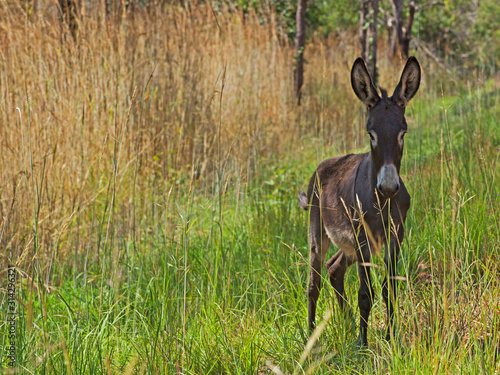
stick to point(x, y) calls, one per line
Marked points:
point(402, 37)
point(363, 37)
point(394, 41)
point(405, 42)
point(368, 34)
point(373, 27)
point(397, 11)
point(300, 41)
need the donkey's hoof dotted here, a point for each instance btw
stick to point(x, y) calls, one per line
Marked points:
point(361, 343)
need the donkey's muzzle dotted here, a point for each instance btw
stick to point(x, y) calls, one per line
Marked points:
point(388, 181)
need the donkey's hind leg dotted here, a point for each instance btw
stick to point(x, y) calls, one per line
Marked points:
point(318, 246)
point(337, 267)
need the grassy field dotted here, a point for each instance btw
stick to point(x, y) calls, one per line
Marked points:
point(149, 171)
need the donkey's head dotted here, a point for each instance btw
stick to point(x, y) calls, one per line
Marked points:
point(386, 123)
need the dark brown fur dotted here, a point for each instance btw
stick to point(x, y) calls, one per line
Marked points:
point(349, 199)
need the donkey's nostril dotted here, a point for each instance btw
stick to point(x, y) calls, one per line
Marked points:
point(388, 190)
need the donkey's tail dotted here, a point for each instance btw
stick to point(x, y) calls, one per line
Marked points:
point(303, 202)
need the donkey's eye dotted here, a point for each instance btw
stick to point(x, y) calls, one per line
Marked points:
point(373, 138)
point(401, 138)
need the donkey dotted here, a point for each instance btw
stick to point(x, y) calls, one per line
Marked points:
point(359, 202)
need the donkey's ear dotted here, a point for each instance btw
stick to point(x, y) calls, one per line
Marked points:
point(409, 83)
point(362, 84)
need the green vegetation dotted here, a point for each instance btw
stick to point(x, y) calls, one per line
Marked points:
point(149, 174)
point(461, 32)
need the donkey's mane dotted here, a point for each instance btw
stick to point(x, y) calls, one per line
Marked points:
point(384, 93)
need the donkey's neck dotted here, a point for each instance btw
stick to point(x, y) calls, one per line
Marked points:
point(366, 183)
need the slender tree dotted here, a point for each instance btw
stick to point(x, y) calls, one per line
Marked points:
point(363, 30)
point(374, 38)
point(402, 34)
point(300, 43)
point(368, 21)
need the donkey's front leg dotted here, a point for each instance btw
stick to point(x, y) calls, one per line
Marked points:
point(365, 294)
point(389, 289)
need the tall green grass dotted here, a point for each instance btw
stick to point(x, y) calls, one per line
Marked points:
point(153, 220)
